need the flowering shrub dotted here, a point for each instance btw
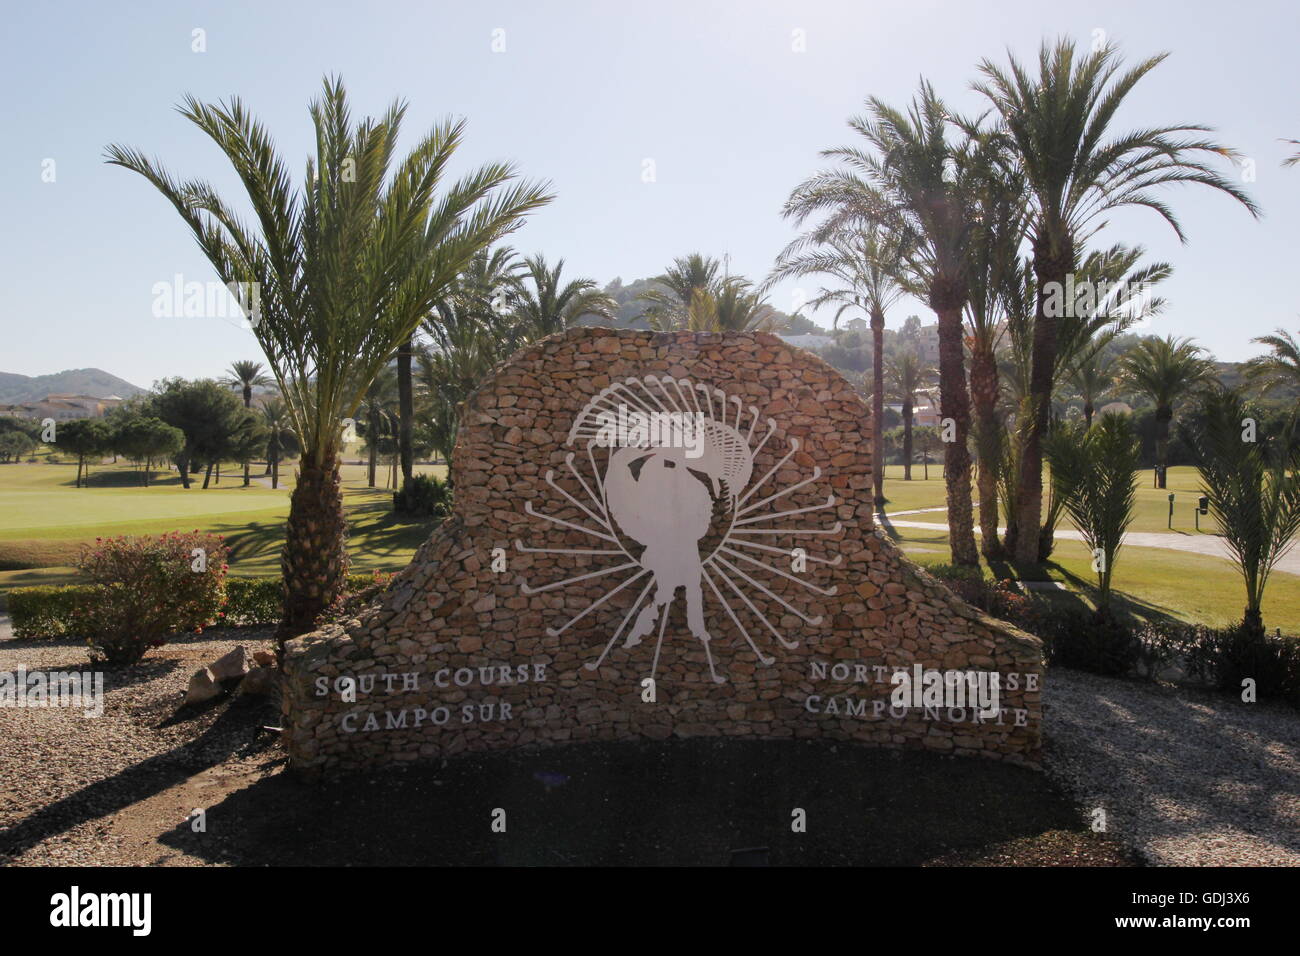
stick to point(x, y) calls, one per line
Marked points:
point(147, 588)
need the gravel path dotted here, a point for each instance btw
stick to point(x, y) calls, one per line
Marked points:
point(1186, 777)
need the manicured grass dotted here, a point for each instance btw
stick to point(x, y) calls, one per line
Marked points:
point(1152, 583)
point(1151, 513)
point(45, 519)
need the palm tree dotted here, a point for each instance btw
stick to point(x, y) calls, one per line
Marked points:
point(1092, 376)
point(493, 277)
point(1254, 492)
point(245, 376)
point(735, 306)
point(378, 402)
point(1281, 369)
point(544, 304)
point(669, 306)
point(1057, 125)
point(280, 438)
point(1165, 370)
point(1092, 321)
point(335, 276)
point(915, 184)
point(995, 271)
point(906, 375)
point(1094, 474)
point(866, 265)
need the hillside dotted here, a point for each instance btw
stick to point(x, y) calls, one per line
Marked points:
point(78, 381)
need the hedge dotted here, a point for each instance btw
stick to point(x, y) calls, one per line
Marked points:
point(47, 612)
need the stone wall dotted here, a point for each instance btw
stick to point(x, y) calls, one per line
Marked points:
point(474, 646)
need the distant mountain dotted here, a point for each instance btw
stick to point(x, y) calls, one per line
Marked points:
point(15, 389)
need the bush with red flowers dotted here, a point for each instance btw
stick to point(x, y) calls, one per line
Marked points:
point(147, 588)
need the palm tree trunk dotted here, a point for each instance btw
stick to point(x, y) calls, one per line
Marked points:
point(248, 403)
point(183, 466)
point(878, 406)
point(372, 439)
point(984, 399)
point(954, 404)
point(405, 409)
point(1048, 268)
point(907, 439)
point(1087, 413)
point(314, 561)
point(1164, 415)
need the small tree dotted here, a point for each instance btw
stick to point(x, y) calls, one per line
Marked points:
point(1094, 475)
point(87, 438)
point(1253, 485)
point(13, 445)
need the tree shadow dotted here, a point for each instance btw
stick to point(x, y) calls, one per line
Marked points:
point(234, 730)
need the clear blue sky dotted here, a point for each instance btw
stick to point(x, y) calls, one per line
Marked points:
point(584, 92)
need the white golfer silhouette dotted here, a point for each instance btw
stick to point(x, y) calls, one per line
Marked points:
point(665, 498)
point(639, 483)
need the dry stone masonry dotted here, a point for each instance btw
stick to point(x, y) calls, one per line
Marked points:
point(660, 534)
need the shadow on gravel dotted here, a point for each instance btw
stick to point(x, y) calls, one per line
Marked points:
point(675, 803)
point(235, 730)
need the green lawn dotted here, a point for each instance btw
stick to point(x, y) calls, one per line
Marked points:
point(45, 519)
point(1153, 583)
point(1151, 514)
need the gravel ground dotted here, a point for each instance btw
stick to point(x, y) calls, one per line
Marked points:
point(1186, 777)
point(66, 777)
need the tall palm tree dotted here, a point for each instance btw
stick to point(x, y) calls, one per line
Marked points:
point(493, 277)
point(689, 276)
point(545, 304)
point(1091, 321)
point(1057, 124)
point(1165, 371)
point(994, 276)
point(906, 374)
point(866, 265)
point(913, 182)
point(1281, 368)
point(344, 268)
point(246, 376)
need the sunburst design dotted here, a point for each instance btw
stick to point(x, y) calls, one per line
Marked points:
point(667, 498)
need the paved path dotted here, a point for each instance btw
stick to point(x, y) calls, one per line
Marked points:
point(1210, 545)
point(6, 628)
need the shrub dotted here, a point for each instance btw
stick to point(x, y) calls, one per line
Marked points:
point(425, 497)
point(253, 601)
point(148, 588)
point(46, 611)
point(1224, 657)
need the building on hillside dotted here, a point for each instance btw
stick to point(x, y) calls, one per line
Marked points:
point(63, 407)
